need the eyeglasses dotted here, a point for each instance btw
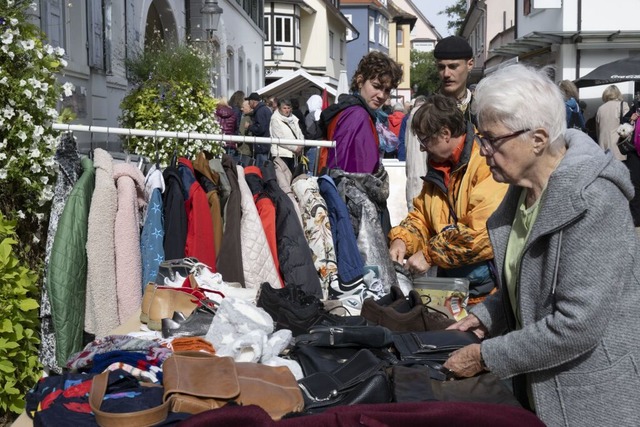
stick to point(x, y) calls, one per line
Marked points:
point(489, 144)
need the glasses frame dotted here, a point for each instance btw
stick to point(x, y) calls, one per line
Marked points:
point(489, 144)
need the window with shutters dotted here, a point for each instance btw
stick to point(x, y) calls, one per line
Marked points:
point(95, 33)
point(53, 13)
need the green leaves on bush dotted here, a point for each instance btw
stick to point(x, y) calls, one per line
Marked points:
point(19, 366)
point(173, 94)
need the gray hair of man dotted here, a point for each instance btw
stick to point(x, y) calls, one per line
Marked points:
point(521, 97)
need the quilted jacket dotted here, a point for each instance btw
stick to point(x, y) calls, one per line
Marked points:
point(131, 201)
point(67, 269)
point(256, 257)
point(69, 169)
point(266, 211)
point(101, 315)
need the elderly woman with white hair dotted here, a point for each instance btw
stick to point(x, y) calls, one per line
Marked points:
point(563, 323)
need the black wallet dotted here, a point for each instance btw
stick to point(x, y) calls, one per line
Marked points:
point(434, 346)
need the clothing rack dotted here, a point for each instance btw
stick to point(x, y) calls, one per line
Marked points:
point(191, 135)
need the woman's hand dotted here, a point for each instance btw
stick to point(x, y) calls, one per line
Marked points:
point(465, 362)
point(471, 323)
point(417, 263)
point(397, 250)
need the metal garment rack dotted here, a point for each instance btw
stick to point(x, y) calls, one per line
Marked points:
point(191, 135)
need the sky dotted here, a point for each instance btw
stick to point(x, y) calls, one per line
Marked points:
point(430, 9)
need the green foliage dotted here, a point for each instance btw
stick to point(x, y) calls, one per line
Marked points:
point(19, 366)
point(29, 95)
point(456, 14)
point(172, 94)
point(424, 72)
point(175, 63)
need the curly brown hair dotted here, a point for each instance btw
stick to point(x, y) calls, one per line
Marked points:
point(437, 112)
point(377, 65)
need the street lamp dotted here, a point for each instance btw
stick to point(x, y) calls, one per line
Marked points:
point(277, 54)
point(211, 16)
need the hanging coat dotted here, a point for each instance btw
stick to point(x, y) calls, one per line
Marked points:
point(364, 193)
point(199, 242)
point(152, 237)
point(284, 176)
point(69, 169)
point(257, 260)
point(296, 261)
point(101, 314)
point(67, 268)
point(210, 182)
point(229, 261)
point(350, 262)
point(266, 210)
point(316, 225)
point(175, 215)
point(131, 201)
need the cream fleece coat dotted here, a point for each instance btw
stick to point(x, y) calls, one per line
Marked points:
point(132, 198)
point(101, 306)
point(416, 163)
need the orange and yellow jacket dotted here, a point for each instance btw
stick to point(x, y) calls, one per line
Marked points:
point(448, 223)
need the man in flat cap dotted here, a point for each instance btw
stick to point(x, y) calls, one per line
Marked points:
point(454, 60)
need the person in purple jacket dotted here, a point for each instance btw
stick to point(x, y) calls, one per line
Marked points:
point(351, 122)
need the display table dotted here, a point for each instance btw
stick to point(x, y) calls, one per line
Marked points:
point(131, 325)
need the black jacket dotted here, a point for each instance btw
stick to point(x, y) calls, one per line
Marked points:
point(229, 262)
point(175, 215)
point(294, 254)
point(260, 127)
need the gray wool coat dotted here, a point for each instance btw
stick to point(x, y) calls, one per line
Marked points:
point(579, 294)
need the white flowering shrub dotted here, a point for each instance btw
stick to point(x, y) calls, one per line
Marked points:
point(29, 95)
point(172, 93)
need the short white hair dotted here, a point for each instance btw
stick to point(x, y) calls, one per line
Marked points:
point(521, 97)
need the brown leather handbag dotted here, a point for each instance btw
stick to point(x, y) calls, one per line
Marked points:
point(195, 382)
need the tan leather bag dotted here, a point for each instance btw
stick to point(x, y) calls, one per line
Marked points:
point(195, 382)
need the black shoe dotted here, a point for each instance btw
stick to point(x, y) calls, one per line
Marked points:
point(292, 309)
point(196, 325)
point(290, 297)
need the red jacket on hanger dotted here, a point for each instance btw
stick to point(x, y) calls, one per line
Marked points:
point(200, 238)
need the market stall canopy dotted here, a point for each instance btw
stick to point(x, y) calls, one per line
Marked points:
point(293, 84)
point(622, 70)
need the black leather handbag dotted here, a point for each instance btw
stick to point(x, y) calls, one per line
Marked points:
point(347, 336)
point(361, 379)
point(431, 346)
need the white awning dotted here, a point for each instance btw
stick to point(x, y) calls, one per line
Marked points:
point(294, 83)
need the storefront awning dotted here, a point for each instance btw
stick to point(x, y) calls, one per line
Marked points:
point(293, 83)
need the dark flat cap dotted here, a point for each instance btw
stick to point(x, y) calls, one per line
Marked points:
point(253, 97)
point(453, 47)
